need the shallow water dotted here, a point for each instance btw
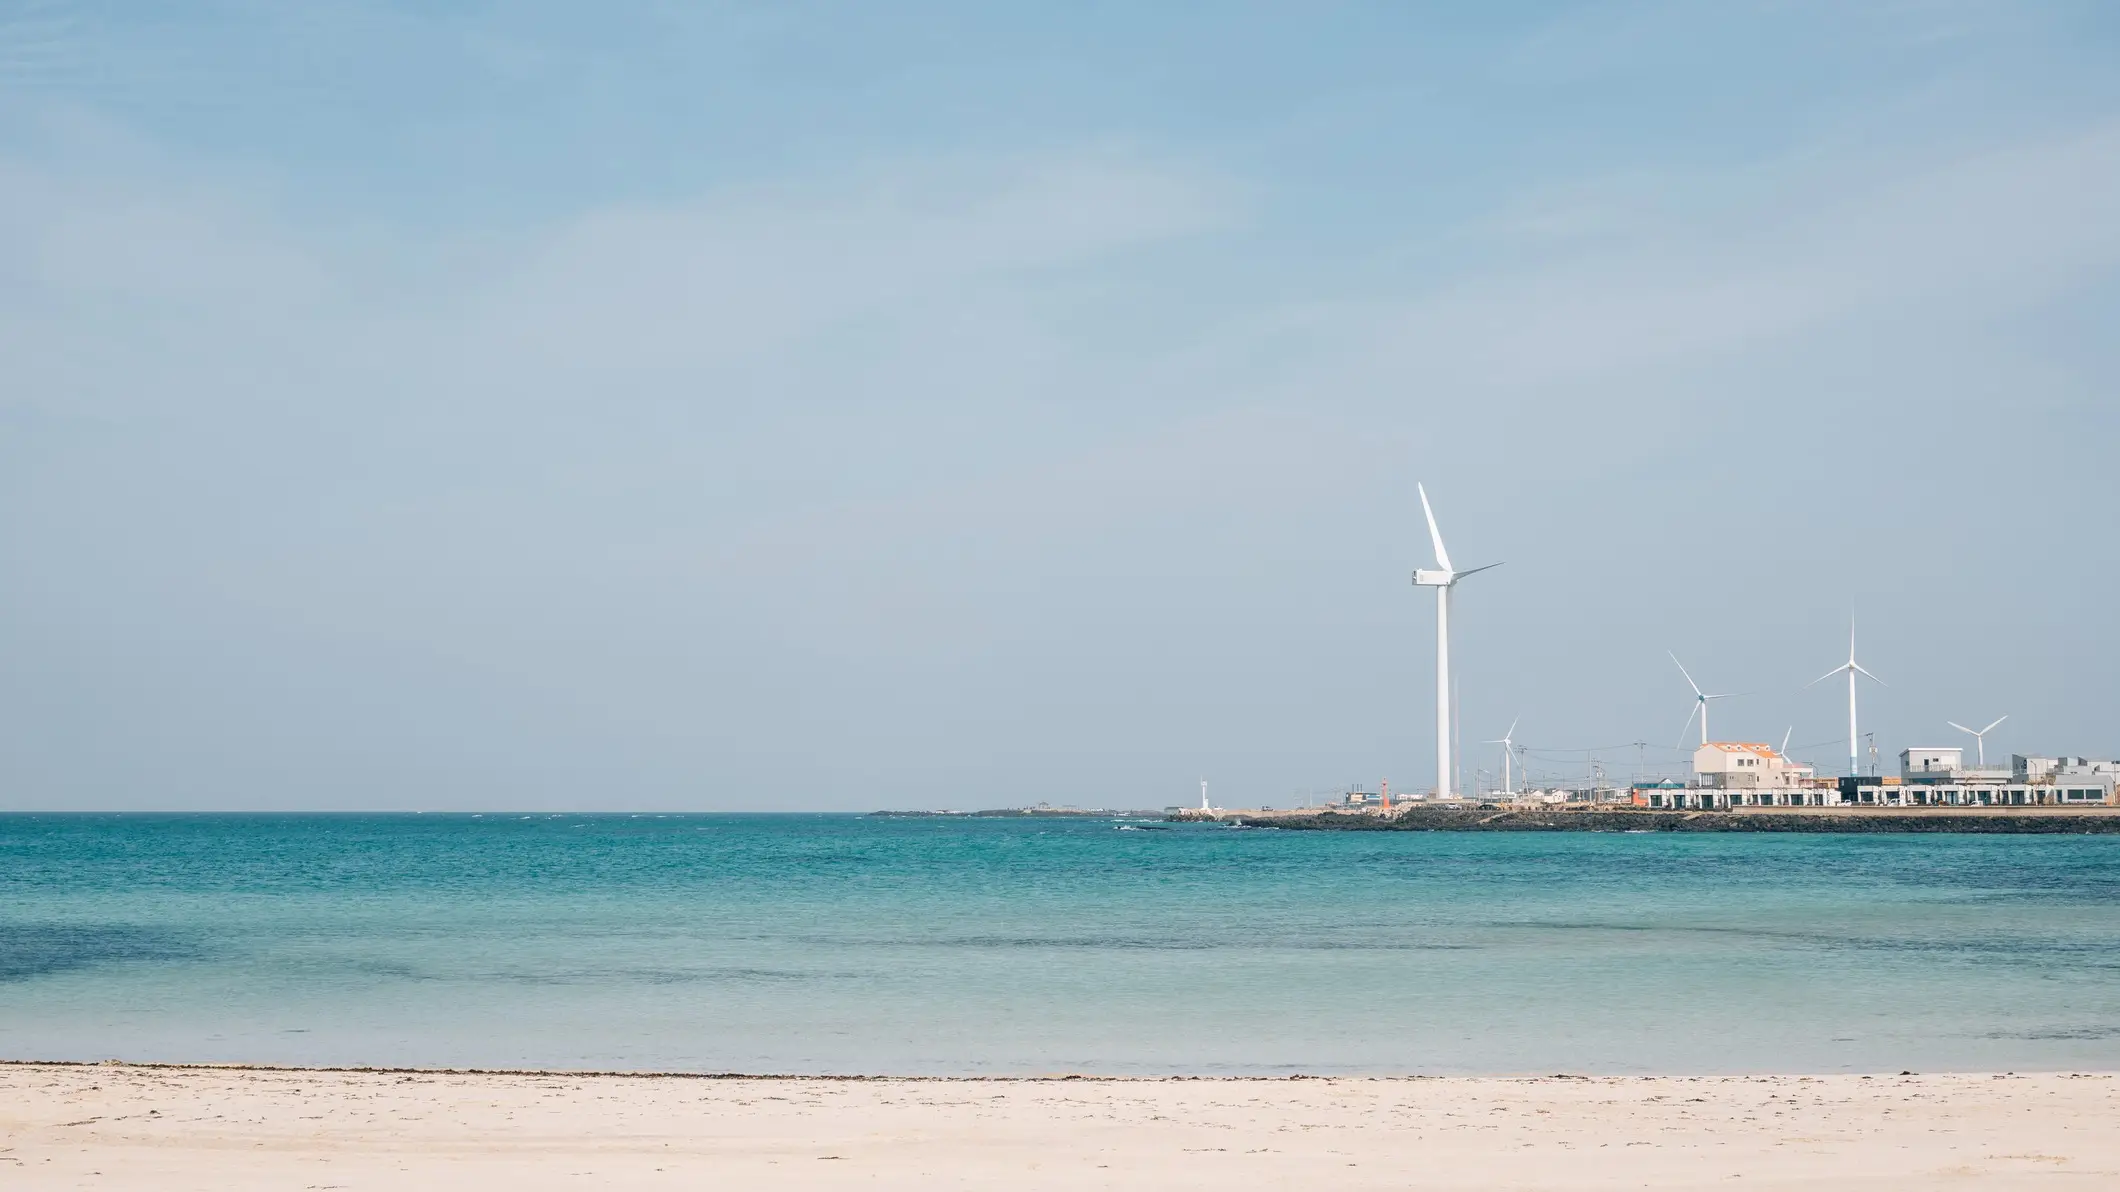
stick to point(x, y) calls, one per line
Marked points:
point(841, 944)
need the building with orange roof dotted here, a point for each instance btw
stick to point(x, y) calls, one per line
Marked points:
point(1752, 773)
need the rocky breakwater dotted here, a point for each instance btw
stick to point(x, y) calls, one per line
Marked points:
point(2017, 820)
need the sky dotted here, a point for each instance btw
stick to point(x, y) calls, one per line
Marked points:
point(806, 406)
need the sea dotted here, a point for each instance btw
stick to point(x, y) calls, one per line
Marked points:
point(842, 944)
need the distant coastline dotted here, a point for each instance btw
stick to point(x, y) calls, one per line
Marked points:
point(1021, 813)
point(2008, 821)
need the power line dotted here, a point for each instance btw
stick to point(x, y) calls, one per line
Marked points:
point(1601, 748)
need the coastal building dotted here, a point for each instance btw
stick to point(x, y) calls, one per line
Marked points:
point(1667, 793)
point(1745, 765)
point(1931, 764)
point(2024, 768)
point(1730, 774)
point(1864, 791)
point(1869, 792)
point(1983, 775)
point(1848, 786)
point(1745, 774)
point(2065, 771)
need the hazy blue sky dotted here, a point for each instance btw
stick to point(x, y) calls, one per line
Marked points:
point(836, 406)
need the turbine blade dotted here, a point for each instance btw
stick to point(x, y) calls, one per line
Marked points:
point(1512, 729)
point(1455, 577)
point(1874, 678)
point(1689, 675)
point(1961, 728)
point(1442, 557)
point(1690, 714)
point(1785, 740)
point(1829, 674)
point(1991, 728)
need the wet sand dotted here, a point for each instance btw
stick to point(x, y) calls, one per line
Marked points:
point(123, 1126)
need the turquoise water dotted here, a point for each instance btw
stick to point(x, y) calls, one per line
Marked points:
point(839, 944)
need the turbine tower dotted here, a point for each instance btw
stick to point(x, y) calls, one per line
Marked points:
point(1979, 736)
point(1852, 668)
point(1442, 579)
point(1203, 798)
point(1508, 745)
point(1700, 702)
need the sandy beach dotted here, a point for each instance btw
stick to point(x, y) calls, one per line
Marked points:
point(127, 1126)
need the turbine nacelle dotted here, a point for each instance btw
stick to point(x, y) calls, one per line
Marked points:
point(1700, 702)
point(1850, 667)
point(1979, 735)
point(1425, 578)
point(1978, 732)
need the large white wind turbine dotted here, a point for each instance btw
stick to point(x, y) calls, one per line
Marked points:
point(1508, 745)
point(1700, 702)
point(1979, 736)
point(1852, 668)
point(1442, 579)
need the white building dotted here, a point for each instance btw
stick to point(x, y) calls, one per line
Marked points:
point(1929, 794)
point(1930, 763)
point(1730, 774)
point(2088, 769)
point(1946, 764)
point(2025, 769)
point(2065, 771)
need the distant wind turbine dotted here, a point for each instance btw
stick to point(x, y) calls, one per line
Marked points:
point(1442, 579)
point(1700, 702)
point(1852, 668)
point(1979, 736)
point(1508, 746)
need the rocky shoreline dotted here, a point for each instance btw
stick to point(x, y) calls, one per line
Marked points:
point(2087, 821)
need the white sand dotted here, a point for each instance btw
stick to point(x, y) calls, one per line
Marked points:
point(117, 1126)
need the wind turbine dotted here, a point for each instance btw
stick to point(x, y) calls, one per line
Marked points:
point(1979, 736)
point(1508, 745)
point(1442, 579)
point(1203, 798)
point(1700, 702)
point(1852, 668)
